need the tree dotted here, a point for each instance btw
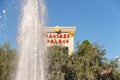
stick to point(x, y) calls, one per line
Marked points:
point(60, 64)
point(115, 72)
point(7, 63)
point(86, 63)
point(89, 60)
point(83, 60)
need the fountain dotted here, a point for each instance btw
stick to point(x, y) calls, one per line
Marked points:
point(31, 41)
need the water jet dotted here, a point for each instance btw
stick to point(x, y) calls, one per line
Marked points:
point(31, 41)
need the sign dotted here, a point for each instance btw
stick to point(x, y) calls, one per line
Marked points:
point(56, 38)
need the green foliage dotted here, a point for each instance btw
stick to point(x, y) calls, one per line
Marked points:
point(6, 61)
point(60, 64)
point(87, 63)
point(115, 66)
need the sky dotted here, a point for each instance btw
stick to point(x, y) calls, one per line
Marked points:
point(95, 20)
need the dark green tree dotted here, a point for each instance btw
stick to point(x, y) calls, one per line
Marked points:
point(88, 62)
point(115, 71)
point(60, 64)
point(7, 63)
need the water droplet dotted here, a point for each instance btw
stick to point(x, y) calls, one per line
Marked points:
point(4, 11)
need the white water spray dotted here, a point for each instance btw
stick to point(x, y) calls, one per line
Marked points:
point(31, 41)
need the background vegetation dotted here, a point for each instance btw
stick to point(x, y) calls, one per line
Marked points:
point(7, 61)
point(88, 62)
